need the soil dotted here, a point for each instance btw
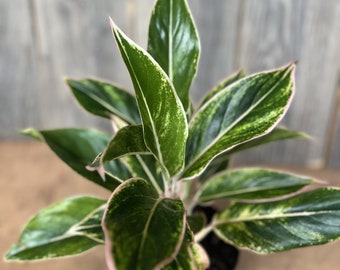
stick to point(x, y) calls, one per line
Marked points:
point(32, 177)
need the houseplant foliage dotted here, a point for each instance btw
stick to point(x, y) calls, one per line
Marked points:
point(167, 157)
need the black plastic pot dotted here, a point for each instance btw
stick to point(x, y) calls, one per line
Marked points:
point(222, 255)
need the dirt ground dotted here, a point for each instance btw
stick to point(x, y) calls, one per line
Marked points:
point(32, 177)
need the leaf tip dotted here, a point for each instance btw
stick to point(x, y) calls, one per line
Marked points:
point(100, 170)
point(33, 133)
point(112, 24)
point(67, 80)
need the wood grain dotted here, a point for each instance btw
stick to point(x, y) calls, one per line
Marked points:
point(59, 38)
point(217, 26)
point(276, 33)
point(333, 153)
point(19, 98)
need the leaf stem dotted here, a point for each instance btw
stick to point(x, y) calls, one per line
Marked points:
point(203, 233)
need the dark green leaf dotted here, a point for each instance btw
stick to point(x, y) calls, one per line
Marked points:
point(78, 148)
point(218, 164)
point(127, 141)
point(221, 162)
point(173, 42)
point(308, 219)
point(196, 221)
point(142, 230)
point(245, 110)
point(226, 82)
point(104, 99)
point(145, 167)
point(278, 134)
point(163, 116)
point(66, 228)
point(251, 184)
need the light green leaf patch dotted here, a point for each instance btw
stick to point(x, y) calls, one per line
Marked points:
point(311, 218)
point(142, 230)
point(247, 109)
point(69, 227)
point(251, 184)
point(173, 42)
point(163, 117)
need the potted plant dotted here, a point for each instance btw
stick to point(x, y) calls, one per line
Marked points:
point(166, 165)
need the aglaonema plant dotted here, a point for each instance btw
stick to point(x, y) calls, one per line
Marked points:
point(167, 158)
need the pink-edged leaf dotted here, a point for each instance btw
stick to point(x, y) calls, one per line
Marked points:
point(245, 110)
point(142, 230)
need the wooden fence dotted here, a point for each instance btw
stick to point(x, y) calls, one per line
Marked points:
point(44, 40)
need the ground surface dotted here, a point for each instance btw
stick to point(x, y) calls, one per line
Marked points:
point(31, 177)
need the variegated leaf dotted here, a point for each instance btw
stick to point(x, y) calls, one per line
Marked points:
point(173, 42)
point(142, 230)
point(247, 109)
point(66, 228)
point(163, 117)
point(221, 162)
point(251, 184)
point(309, 219)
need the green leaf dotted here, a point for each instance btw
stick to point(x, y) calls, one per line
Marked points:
point(251, 184)
point(163, 117)
point(218, 164)
point(278, 134)
point(66, 228)
point(308, 219)
point(145, 167)
point(226, 82)
point(221, 162)
point(142, 230)
point(173, 42)
point(78, 148)
point(196, 221)
point(127, 141)
point(104, 99)
point(245, 110)
point(190, 257)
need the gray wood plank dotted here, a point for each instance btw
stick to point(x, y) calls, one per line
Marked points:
point(77, 42)
point(217, 24)
point(333, 153)
point(334, 143)
point(19, 102)
point(334, 158)
point(59, 38)
point(276, 32)
point(140, 13)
